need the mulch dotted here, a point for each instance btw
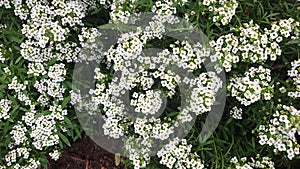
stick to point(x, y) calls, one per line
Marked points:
point(85, 154)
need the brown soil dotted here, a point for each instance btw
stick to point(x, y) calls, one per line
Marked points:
point(85, 154)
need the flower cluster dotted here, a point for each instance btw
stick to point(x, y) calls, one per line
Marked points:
point(252, 86)
point(251, 45)
point(167, 7)
point(236, 112)
point(294, 73)
point(118, 11)
point(2, 59)
point(122, 10)
point(55, 155)
point(171, 69)
point(42, 132)
point(203, 95)
point(252, 163)
point(280, 133)
point(48, 43)
point(22, 153)
point(36, 69)
point(18, 7)
point(12, 156)
point(284, 28)
point(177, 154)
point(148, 103)
point(4, 109)
point(47, 87)
point(223, 10)
point(19, 134)
point(5, 3)
point(138, 151)
point(46, 36)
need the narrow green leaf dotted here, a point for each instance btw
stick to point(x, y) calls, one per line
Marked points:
point(172, 114)
point(67, 120)
point(66, 101)
point(64, 139)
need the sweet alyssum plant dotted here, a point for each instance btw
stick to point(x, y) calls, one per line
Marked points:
point(255, 42)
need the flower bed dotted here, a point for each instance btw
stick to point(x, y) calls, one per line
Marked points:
point(224, 98)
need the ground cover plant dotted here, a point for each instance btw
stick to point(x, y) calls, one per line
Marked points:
point(254, 43)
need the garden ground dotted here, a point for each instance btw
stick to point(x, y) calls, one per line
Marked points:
point(85, 154)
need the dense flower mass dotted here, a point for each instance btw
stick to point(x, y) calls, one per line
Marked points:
point(281, 131)
point(249, 44)
point(178, 154)
point(141, 73)
point(223, 10)
point(5, 107)
point(254, 85)
point(257, 162)
point(152, 101)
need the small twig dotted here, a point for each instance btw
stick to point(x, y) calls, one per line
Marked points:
point(273, 19)
point(247, 11)
point(75, 158)
point(87, 164)
point(279, 67)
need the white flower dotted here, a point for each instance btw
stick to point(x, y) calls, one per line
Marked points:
point(236, 112)
point(55, 155)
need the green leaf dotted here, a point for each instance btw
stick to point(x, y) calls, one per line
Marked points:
point(67, 84)
point(67, 120)
point(13, 99)
point(3, 79)
point(51, 62)
point(78, 133)
point(293, 42)
point(172, 114)
point(207, 142)
point(96, 11)
point(15, 109)
point(18, 60)
point(64, 139)
point(13, 36)
point(24, 109)
point(228, 122)
point(2, 87)
point(66, 101)
point(44, 160)
point(253, 143)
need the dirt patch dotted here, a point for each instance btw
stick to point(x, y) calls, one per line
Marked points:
point(85, 154)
